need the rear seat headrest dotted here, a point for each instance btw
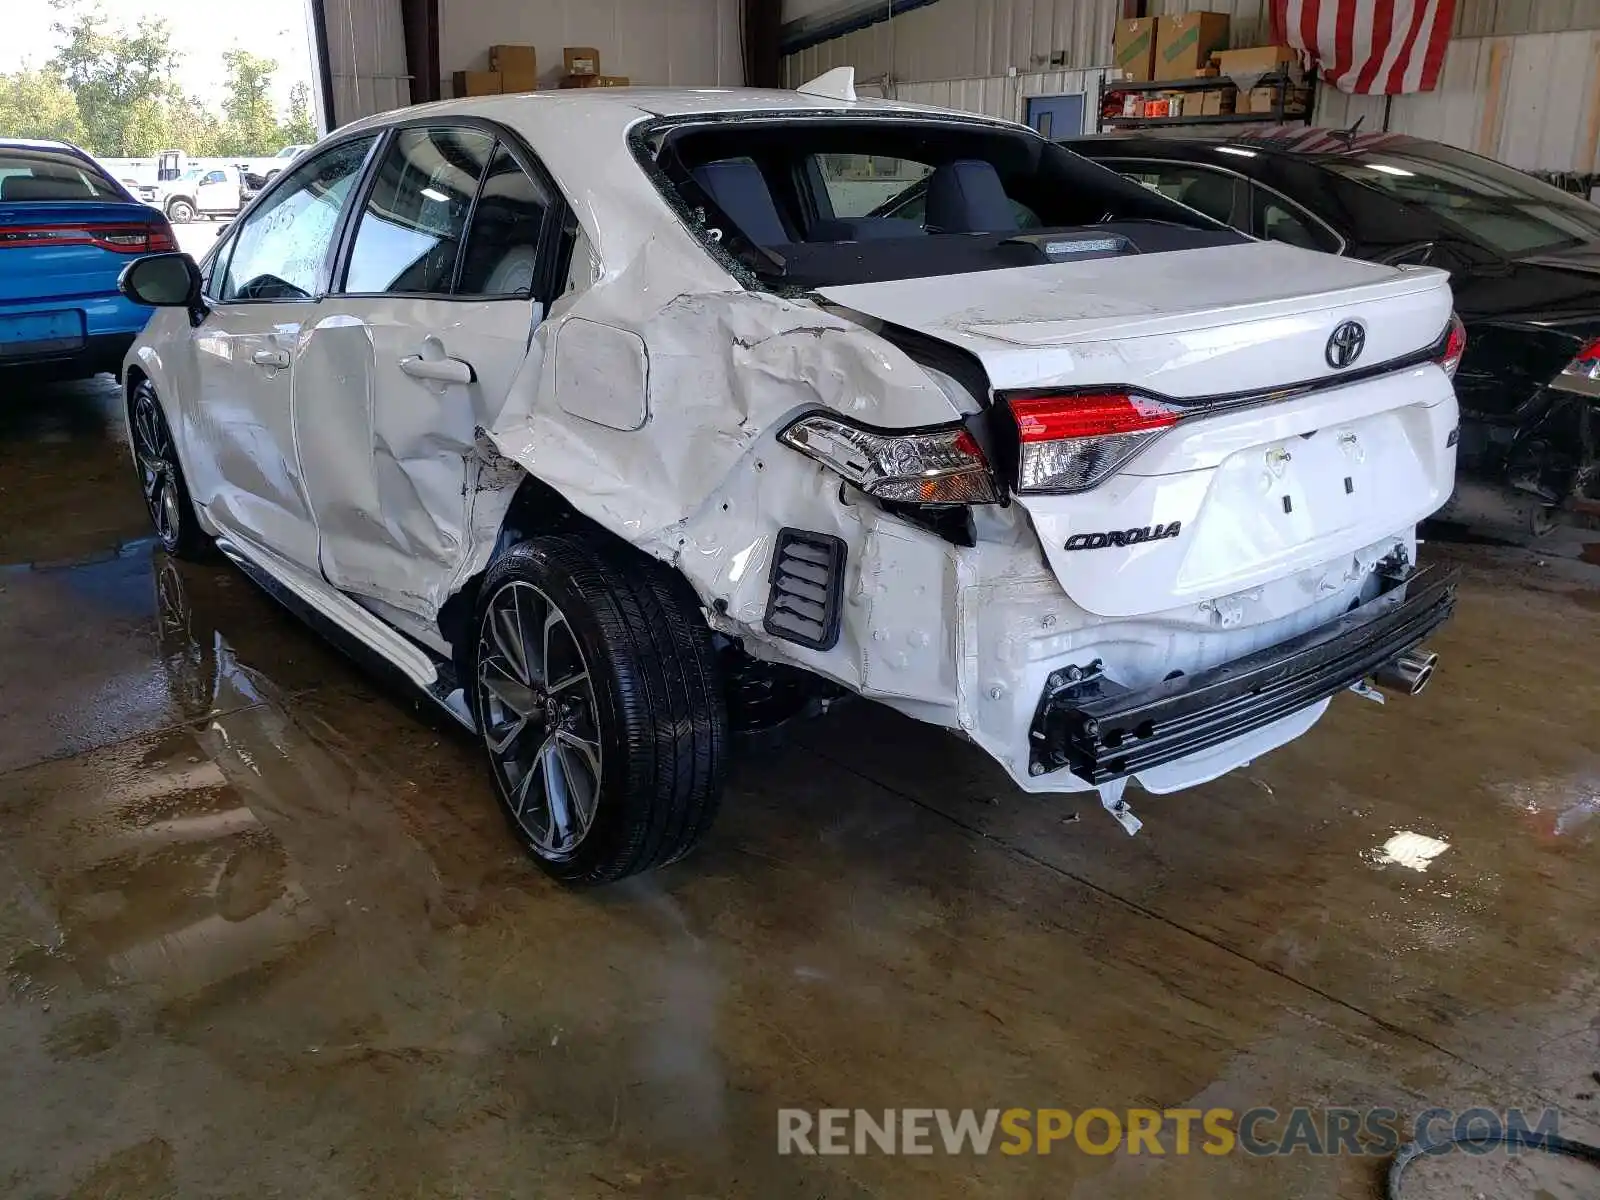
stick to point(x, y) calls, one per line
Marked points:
point(739, 189)
point(966, 196)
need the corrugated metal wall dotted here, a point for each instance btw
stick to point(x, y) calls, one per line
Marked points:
point(1493, 18)
point(965, 39)
point(971, 39)
point(692, 43)
point(366, 57)
point(1531, 101)
point(1001, 95)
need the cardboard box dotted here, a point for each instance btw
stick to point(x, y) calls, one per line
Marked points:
point(592, 81)
point(519, 81)
point(523, 60)
point(1255, 60)
point(580, 60)
point(1186, 42)
point(1259, 100)
point(1133, 48)
point(1265, 100)
point(1215, 102)
point(477, 83)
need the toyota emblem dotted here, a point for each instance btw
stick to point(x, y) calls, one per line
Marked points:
point(1346, 344)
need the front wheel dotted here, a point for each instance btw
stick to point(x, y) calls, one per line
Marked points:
point(180, 212)
point(166, 493)
point(598, 699)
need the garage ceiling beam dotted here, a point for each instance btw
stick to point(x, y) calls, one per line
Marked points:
point(419, 20)
point(327, 119)
point(763, 43)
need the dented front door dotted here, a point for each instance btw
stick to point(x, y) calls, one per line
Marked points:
point(412, 357)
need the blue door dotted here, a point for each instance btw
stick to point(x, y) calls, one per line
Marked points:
point(1056, 116)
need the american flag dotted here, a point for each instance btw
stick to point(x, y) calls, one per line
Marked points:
point(1373, 47)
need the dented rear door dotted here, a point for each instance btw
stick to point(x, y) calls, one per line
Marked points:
point(414, 356)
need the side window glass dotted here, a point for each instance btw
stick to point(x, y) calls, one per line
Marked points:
point(502, 250)
point(279, 250)
point(860, 184)
point(1211, 192)
point(1279, 221)
point(415, 219)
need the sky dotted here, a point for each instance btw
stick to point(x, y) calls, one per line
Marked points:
point(201, 31)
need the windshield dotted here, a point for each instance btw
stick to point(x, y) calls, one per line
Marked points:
point(1495, 206)
point(39, 174)
point(810, 201)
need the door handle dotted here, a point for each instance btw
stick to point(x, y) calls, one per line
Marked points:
point(441, 370)
point(270, 358)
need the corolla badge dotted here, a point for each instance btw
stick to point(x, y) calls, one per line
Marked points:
point(1123, 537)
point(1346, 343)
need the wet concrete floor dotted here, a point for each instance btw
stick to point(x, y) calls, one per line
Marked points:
point(264, 933)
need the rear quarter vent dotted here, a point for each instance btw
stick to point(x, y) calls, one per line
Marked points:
point(805, 588)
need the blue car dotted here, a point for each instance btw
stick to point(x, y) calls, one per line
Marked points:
point(66, 232)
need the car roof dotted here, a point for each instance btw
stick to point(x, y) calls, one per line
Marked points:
point(581, 137)
point(1281, 141)
point(15, 143)
point(659, 102)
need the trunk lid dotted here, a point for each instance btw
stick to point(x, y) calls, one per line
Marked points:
point(1230, 498)
point(1183, 323)
point(33, 269)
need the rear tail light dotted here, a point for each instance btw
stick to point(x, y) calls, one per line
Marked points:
point(1455, 345)
point(943, 465)
point(1586, 364)
point(1071, 443)
point(123, 239)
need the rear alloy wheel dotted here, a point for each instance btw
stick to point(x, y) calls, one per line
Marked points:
point(597, 695)
point(180, 212)
point(166, 495)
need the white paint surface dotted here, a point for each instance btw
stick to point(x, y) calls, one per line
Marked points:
point(402, 504)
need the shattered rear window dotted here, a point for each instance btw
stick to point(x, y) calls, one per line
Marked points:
point(807, 201)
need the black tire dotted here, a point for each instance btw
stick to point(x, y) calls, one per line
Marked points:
point(180, 212)
point(658, 716)
point(161, 481)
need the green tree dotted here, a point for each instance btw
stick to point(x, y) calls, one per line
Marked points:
point(114, 74)
point(300, 125)
point(37, 104)
point(192, 127)
point(251, 126)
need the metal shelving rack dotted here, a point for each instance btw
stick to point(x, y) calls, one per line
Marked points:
point(1279, 78)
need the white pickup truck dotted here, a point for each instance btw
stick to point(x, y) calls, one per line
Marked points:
point(211, 192)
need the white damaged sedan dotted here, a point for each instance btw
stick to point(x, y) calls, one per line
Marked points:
point(626, 421)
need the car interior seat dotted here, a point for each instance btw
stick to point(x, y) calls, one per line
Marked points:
point(502, 253)
point(44, 187)
point(738, 188)
point(966, 196)
point(1287, 228)
point(1210, 194)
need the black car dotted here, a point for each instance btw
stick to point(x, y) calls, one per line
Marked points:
point(1524, 261)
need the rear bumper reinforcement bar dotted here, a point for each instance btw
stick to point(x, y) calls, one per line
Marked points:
point(1101, 730)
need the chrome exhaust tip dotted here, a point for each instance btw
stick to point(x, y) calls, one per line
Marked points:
point(1408, 673)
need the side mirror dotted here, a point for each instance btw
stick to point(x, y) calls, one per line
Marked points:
point(161, 281)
